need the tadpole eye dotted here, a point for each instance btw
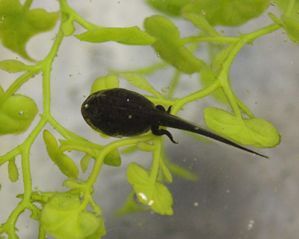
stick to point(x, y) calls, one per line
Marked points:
point(86, 106)
point(86, 109)
point(160, 107)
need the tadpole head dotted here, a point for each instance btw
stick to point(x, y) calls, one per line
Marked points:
point(89, 110)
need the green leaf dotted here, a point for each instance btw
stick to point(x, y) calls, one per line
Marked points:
point(113, 159)
point(125, 35)
point(227, 12)
point(63, 218)
point(140, 82)
point(51, 145)
point(73, 184)
point(13, 171)
point(16, 114)
point(18, 25)
point(153, 194)
point(67, 166)
point(290, 18)
point(67, 25)
point(255, 132)
point(130, 206)
point(291, 25)
point(68, 28)
point(181, 172)
point(98, 234)
point(171, 7)
point(169, 45)
point(201, 23)
point(84, 162)
point(61, 160)
point(13, 66)
point(165, 171)
point(104, 83)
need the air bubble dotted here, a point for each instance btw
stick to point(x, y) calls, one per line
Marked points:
point(250, 224)
point(142, 196)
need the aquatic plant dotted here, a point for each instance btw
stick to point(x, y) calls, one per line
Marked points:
point(74, 213)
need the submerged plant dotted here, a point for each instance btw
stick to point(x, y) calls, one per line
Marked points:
point(74, 213)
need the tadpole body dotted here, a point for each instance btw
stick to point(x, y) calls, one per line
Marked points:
point(120, 112)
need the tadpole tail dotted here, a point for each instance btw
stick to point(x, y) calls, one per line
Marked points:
point(178, 123)
point(224, 140)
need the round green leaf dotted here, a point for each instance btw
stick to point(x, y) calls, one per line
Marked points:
point(105, 82)
point(227, 12)
point(41, 20)
point(62, 218)
point(140, 82)
point(171, 7)
point(152, 194)
point(100, 232)
point(169, 45)
point(113, 159)
point(255, 132)
point(16, 114)
point(18, 25)
point(68, 27)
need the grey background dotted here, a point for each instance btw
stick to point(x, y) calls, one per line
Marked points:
point(237, 195)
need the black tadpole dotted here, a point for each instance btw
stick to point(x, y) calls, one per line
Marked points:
point(119, 112)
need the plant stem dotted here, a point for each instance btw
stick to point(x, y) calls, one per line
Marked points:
point(156, 159)
point(25, 203)
point(213, 39)
point(25, 147)
point(223, 75)
point(173, 84)
point(46, 68)
point(27, 4)
point(109, 148)
point(195, 96)
point(17, 84)
point(10, 155)
point(65, 7)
